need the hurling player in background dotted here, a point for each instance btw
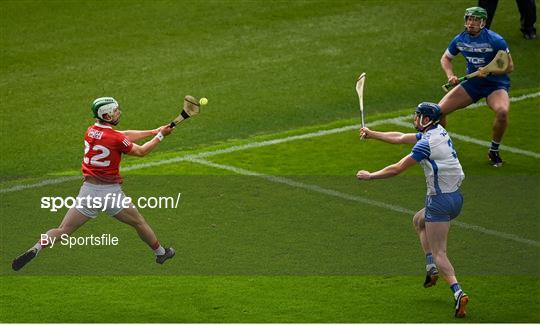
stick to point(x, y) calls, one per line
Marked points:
point(479, 46)
point(103, 149)
point(434, 151)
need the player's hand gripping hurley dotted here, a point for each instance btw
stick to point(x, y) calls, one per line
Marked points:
point(360, 91)
point(499, 64)
point(192, 107)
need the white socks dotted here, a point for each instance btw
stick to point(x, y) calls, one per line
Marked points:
point(159, 251)
point(430, 266)
point(37, 246)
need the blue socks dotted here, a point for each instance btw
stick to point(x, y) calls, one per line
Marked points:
point(429, 262)
point(456, 289)
point(494, 146)
point(429, 259)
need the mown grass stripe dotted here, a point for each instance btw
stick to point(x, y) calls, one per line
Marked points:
point(349, 197)
point(257, 144)
point(483, 143)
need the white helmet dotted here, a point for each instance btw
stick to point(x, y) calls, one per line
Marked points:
point(104, 105)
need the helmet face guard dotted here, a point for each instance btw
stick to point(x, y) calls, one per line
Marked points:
point(105, 105)
point(478, 12)
point(430, 110)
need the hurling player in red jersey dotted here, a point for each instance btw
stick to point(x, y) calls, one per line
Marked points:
point(103, 149)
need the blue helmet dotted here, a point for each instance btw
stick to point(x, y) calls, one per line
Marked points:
point(431, 110)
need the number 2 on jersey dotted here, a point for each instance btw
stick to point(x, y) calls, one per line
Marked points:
point(104, 152)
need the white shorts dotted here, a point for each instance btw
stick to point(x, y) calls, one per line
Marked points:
point(93, 199)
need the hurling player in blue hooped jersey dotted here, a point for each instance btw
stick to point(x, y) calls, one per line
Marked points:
point(434, 151)
point(479, 45)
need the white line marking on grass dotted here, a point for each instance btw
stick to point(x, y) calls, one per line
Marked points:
point(483, 103)
point(40, 184)
point(349, 197)
point(287, 139)
point(512, 99)
point(476, 141)
point(497, 233)
point(293, 183)
point(259, 144)
point(203, 154)
point(525, 96)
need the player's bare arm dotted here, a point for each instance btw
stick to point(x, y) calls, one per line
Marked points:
point(448, 68)
point(388, 171)
point(143, 150)
point(390, 137)
point(510, 67)
point(136, 135)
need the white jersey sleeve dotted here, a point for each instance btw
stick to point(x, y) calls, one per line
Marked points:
point(437, 155)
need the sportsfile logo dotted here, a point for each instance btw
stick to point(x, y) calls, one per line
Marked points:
point(109, 201)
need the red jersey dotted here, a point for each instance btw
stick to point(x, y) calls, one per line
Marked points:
point(103, 149)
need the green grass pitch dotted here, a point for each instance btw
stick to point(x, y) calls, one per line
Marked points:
point(272, 224)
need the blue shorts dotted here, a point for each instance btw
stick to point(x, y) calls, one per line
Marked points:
point(479, 88)
point(443, 207)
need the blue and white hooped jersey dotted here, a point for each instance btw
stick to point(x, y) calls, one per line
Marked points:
point(437, 155)
point(479, 51)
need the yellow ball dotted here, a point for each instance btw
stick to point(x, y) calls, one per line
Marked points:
point(203, 101)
